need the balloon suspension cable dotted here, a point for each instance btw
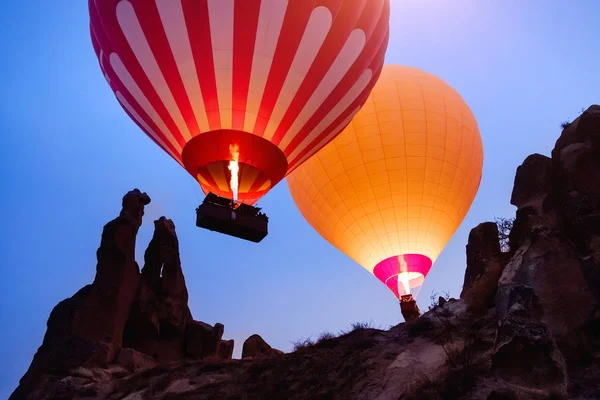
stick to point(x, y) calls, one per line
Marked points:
point(234, 167)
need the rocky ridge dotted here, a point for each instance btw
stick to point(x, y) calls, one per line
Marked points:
point(127, 321)
point(526, 326)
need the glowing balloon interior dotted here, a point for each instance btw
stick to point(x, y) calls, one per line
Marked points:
point(272, 77)
point(394, 186)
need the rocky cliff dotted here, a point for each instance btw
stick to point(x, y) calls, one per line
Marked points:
point(126, 321)
point(526, 326)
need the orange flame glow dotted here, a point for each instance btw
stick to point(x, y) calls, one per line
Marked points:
point(403, 276)
point(234, 167)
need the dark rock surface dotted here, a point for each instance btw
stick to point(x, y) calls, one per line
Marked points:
point(159, 313)
point(485, 263)
point(135, 361)
point(105, 309)
point(533, 182)
point(256, 348)
point(125, 321)
point(204, 340)
point(525, 352)
point(548, 263)
point(527, 325)
point(226, 349)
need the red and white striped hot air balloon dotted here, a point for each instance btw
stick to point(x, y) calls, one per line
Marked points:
point(260, 82)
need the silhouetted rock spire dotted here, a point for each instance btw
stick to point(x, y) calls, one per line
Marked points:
point(146, 313)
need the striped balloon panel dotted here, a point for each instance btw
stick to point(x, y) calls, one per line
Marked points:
point(293, 72)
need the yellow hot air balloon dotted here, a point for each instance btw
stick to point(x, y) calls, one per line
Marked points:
point(393, 187)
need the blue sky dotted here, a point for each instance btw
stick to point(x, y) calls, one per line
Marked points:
point(68, 154)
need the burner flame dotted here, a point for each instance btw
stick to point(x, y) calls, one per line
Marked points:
point(403, 281)
point(234, 167)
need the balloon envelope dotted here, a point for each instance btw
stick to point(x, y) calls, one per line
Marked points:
point(394, 186)
point(266, 78)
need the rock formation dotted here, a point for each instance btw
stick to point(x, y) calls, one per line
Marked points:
point(525, 353)
point(204, 340)
point(159, 312)
point(105, 309)
point(256, 348)
point(556, 229)
point(125, 321)
point(486, 263)
point(225, 349)
point(527, 325)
